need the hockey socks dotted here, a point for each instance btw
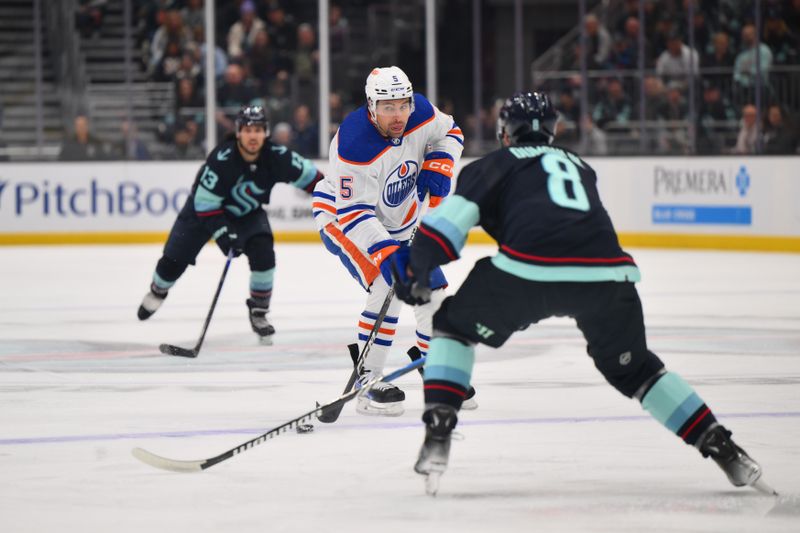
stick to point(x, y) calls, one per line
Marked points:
point(448, 371)
point(676, 405)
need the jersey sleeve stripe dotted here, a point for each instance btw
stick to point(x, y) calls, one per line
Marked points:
point(440, 241)
point(324, 195)
point(459, 139)
point(347, 229)
point(355, 207)
point(402, 229)
point(347, 218)
point(325, 207)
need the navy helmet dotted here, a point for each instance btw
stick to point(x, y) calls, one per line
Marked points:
point(527, 117)
point(252, 115)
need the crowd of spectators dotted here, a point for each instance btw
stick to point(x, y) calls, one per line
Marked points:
point(267, 54)
point(722, 63)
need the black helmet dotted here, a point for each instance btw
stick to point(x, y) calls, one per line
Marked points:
point(527, 117)
point(252, 115)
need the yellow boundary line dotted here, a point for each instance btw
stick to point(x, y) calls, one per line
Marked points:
point(634, 240)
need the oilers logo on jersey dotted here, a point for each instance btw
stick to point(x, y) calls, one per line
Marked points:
point(400, 182)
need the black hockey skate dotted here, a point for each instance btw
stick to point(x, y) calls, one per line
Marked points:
point(151, 302)
point(432, 462)
point(382, 399)
point(258, 319)
point(740, 468)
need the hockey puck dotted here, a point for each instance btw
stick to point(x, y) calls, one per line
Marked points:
point(305, 428)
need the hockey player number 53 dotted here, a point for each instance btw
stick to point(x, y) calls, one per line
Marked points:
point(564, 182)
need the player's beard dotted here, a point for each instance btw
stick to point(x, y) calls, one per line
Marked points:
point(243, 147)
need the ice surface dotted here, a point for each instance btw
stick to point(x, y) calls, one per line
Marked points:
point(551, 448)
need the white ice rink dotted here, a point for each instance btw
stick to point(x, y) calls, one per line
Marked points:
point(552, 447)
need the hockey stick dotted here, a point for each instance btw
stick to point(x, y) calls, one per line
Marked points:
point(175, 465)
point(331, 414)
point(170, 349)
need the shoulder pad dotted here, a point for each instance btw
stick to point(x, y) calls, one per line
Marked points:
point(423, 112)
point(359, 141)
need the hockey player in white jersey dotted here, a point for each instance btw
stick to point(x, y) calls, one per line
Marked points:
point(385, 159)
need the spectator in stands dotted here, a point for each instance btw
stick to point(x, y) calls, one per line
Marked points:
point(306, 133)
point(674, 107)
point(193, 14)
point(337, 112)
point(189, 67)
point(306, 57)
point(779, 134)
point(131, 147)
point(266, 64)
point(614, 106)
point(171, 31)
point(746, 142)
point(170, 62)
point(677, 62)
point(220, 59)
point(591, 139)
point(188, 102)
point(702, 31)
point(281, 27)
point(89, 16)
point(654, 97)
point(339, 30)
point(598, 43)
point(282, 134)
point(83, 146)
point(625, 54)
point(720, 55)
point(744, 69)
point(568, 107)
point(242, 35)
point(184, 147)
point(277, 102)
point(780, 39)
point(714, 117)
point(236, 91)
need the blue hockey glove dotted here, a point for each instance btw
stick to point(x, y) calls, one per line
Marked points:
point(435, 177)
point(228, 239)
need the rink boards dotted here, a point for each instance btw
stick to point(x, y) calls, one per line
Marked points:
point(700, 202)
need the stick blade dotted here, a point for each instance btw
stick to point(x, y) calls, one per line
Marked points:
point(164, 463)
point(169, 349)
point(330, 414)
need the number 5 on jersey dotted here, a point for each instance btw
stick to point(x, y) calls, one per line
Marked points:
point(345, 187)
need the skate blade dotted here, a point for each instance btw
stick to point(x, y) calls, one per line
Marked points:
point(761, 486)
point(367, 407)
point(432, 483)
point(265, 341)
point(469, 405)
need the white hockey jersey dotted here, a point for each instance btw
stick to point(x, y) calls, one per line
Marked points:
point(370, 189)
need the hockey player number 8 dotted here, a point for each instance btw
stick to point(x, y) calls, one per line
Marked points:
point(563, 178)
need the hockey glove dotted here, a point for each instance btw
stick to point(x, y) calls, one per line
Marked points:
point(381, 253)
point(228, 239)
point(408, 288)
point(435, 177)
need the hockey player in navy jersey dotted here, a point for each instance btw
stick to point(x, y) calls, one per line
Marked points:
point(225, 205)
point(385, 159)
point(558, 256)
